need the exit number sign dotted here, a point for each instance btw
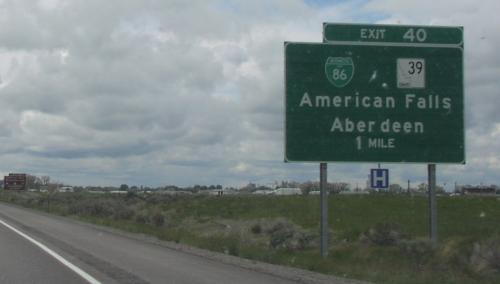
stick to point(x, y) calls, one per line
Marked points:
point(393, 34)
point(376, 93)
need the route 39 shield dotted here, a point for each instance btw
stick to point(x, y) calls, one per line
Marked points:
point(339, 70)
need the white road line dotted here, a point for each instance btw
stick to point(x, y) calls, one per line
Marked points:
point(61, 259)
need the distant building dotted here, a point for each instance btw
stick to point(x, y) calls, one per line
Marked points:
point(478, 190)
point(176, 192)
point(65, 189)
point(118, 192)
point(263, 192)
point(348, 192)
point(216, 192)
point(287, 191)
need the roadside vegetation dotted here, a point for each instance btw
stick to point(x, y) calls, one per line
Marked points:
point(379, 238)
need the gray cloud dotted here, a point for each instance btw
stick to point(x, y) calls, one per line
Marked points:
point(184, 92)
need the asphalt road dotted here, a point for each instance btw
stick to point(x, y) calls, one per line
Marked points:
point(106, 256)
point(22, 262)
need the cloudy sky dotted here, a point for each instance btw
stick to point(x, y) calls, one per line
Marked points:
point(181, 92)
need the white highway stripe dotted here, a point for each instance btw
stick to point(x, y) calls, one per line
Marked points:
point(62, 260)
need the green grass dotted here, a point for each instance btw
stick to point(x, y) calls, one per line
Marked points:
point(196, 220)
point(351, 215)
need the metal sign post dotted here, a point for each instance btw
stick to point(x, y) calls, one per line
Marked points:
point(431, 171)
point(324, 209)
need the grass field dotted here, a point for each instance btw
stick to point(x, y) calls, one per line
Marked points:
point(380, 238)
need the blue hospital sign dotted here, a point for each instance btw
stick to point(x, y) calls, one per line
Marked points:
point(379, 178)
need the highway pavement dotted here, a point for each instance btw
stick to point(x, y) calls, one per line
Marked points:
point(76, 252)
point(23, 262)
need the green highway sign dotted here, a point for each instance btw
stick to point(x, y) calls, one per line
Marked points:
point(392, 34)
point(374, 103)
